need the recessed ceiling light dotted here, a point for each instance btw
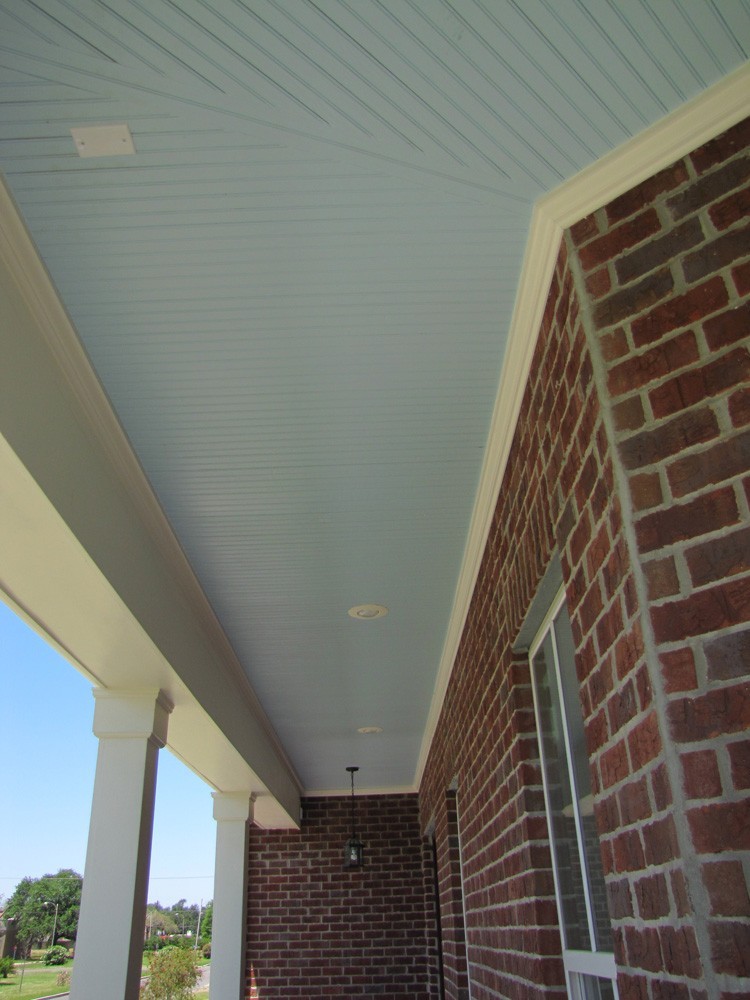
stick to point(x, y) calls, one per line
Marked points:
point(370, 730)
point(103, 140)
point(367, 611)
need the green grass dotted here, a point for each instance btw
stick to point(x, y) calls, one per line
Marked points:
point(38, 981)
point(41, 981)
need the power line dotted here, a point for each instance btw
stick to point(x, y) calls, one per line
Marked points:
point(155, 877)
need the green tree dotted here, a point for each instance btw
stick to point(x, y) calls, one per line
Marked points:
point(46, 905)
point(207, 921)
point(159, 921)
point(186, 917)
point(173, 975)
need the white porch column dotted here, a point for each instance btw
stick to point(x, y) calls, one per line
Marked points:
point(131, 727)
point(233, 813)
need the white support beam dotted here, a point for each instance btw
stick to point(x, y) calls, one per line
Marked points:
point(131, 727)
point(233, 812)
point(89, 559)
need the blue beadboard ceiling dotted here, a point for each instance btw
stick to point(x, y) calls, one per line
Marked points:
point(297, 293)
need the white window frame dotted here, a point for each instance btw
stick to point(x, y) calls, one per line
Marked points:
point(596, 963)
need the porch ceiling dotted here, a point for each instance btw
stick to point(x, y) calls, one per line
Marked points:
point(297, 292)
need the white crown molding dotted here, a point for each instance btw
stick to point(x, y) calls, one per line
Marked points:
point(327, 793)
point(19, 254)
point(654, 149)
point(674, 136)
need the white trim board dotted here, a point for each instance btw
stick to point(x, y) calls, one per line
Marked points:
point(99, 455)
point(679, 133)
point(19, 254)
point(328, 793)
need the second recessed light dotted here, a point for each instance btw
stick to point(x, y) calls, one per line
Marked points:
point(366, 612)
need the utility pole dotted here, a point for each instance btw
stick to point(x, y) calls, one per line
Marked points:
point(54, 925)
point(198, 928)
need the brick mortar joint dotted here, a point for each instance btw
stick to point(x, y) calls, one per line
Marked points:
point(694, 884)
point(708, 229)
point(660, 200)
point(707, 357)
point(662, 464)
point(678, 552)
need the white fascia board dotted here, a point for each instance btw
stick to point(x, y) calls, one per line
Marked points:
point(97, 568)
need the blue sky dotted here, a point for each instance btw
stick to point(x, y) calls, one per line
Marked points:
point(48, 763)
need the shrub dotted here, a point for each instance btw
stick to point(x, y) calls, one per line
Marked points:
point(56, 955)
point(206, 950)
point(173, 975)
point(154, 943)
point(6, 966)
point(63, 978)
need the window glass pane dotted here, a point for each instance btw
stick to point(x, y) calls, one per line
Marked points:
point(582, 779)
point(593, 988)
point(561, 819)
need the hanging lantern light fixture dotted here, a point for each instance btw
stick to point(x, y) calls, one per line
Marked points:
point(354, 856)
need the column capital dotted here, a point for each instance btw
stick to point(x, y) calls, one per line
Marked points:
point(233, 806)
point(140, 713)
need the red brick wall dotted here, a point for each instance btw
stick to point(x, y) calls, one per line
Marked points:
point(557, 493)
point(450, 892)
point(667, 270)
point(316, 930)
point(631, 459)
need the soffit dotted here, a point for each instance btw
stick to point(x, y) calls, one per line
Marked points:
point(297, 293)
